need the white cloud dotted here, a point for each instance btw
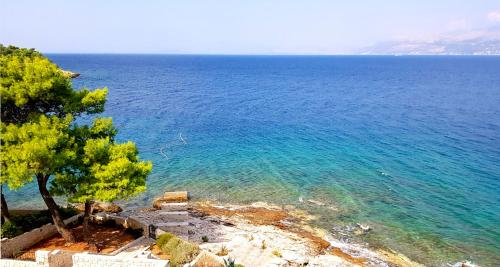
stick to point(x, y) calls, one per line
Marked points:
point(494, 16)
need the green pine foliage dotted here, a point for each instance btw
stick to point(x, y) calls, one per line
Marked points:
point(31, 85)
point(43, 145)
point(103, 169)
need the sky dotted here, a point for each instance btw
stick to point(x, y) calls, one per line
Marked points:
point(233, 26)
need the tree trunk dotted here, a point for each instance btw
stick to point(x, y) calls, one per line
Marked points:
point(86, 218)
point(54, 209)
point(5, 208)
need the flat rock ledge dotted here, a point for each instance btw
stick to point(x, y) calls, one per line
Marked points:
point(171, 197)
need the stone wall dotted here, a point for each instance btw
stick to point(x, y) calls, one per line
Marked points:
point(11, 246)
point(56, 258)
point(21, 242)
point(93, 260)
point(59, 258)
point(134, 243)
point(17, 263)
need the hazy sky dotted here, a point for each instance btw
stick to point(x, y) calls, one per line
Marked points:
point(232, 26)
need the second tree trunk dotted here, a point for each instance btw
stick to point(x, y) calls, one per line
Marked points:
point(54, 209)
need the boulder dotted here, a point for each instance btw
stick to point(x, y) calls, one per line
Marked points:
point(206, 258)
point(99, 207)
point(157, 202)
point(107, 207)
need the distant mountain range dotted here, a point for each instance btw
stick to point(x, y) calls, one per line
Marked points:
point(464, 43)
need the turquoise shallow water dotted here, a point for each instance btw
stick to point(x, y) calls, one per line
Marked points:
point(409, 145)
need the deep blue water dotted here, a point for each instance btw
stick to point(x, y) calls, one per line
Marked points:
point(409, 145)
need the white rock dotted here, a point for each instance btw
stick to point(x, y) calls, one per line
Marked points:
point(328, 261)
point(316, 202)
point(364, 227)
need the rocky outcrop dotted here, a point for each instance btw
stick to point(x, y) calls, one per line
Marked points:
point(70, 74)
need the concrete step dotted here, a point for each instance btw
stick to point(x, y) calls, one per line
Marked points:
point(134, 248)
point(174, 216)
point(145, 255)
point(180, 229)
point(172, 224)
point(134, 253)
point(175, 206)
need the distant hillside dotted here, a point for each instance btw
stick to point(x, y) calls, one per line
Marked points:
point(470, 43)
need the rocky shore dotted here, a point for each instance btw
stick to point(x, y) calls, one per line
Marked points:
point(286, 231)
point(264, 235)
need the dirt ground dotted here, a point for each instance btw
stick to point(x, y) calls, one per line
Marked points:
point(103, 239)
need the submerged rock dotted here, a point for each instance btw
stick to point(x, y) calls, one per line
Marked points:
point(364, 227)
point(316, 202)
point(464, 264)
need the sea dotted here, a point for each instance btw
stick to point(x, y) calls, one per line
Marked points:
point(409, 145)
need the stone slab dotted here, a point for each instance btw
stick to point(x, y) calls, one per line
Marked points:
point(175, 206)
point(178, 196)
point(174, 216)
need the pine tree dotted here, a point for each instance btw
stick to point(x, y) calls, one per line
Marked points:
point(41, 141)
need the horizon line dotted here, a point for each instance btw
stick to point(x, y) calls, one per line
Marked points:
point(236, 54)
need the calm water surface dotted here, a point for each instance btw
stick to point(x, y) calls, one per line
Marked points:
point(408, 145)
